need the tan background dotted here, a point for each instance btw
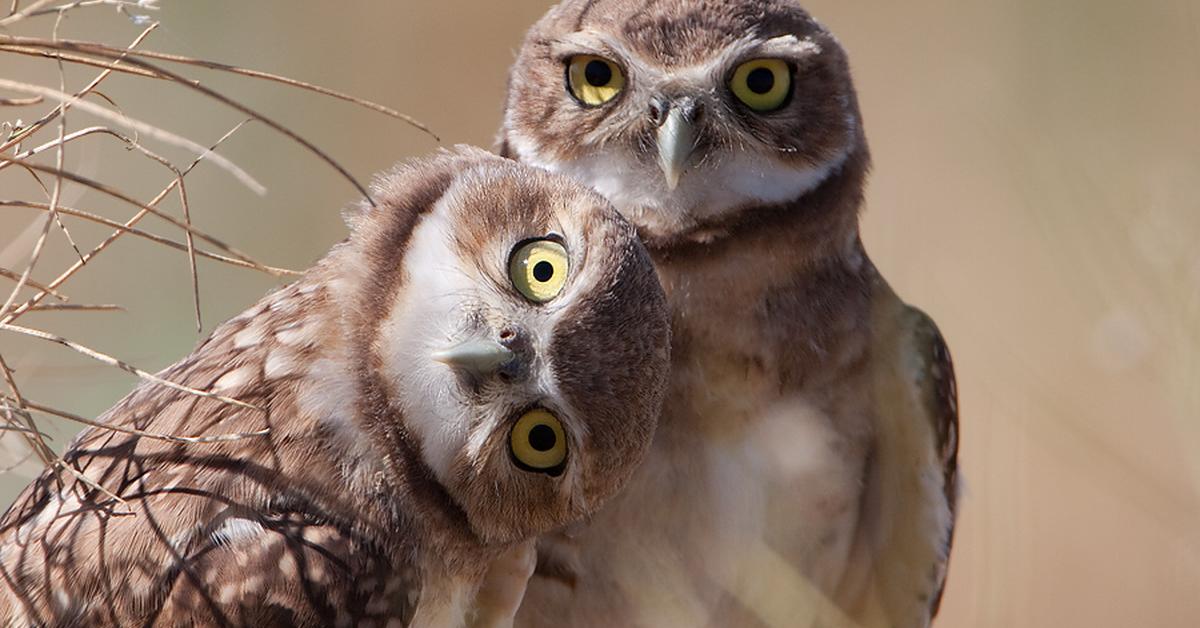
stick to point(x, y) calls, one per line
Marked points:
point(1036, 188)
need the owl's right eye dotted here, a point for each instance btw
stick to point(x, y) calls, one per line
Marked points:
point(594, 80)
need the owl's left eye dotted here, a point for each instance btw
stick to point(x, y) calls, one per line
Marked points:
point(538, 270)
point(594, 80)
point(762, 84)
point(538, 442)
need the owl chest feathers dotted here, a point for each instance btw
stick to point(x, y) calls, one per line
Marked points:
point(764, 436)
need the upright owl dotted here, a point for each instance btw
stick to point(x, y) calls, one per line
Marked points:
point(804, 471)
point(480, 362)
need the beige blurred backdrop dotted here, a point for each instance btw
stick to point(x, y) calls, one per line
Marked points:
point(1036, 189)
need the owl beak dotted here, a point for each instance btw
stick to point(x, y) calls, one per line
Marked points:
point(480, 357)
point(676, 141)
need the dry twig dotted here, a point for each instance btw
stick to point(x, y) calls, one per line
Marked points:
point(27, 146)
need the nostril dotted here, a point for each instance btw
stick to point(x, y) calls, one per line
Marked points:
point(506, 334)
point(658, 112)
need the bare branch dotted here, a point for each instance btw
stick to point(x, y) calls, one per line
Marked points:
point(124, 366)
point(33, 438)
point(8, 274)
point(24, 13)
point(123, 228)
point(117, 194)
point(139, 126)
point(224, 67)
point(101, 51)
point(21, 102)
point(70, 137)
point(76, 307)
point(216, 438)
point(31, 51)
point(68, 273)
point(33, 128)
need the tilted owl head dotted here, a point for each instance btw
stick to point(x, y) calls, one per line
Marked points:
point(515, 337)
point(683, 113)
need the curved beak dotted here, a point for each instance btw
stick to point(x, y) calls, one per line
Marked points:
point(676, 141)
point(479, 357)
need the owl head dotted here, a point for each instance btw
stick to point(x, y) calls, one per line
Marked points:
point(683, 113)
point(513, 338)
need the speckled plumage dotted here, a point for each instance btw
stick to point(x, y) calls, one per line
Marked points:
point(343, 514)
point(805, 468)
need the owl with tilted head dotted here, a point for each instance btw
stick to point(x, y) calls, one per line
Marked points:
point(482, 361)
point(805, 468)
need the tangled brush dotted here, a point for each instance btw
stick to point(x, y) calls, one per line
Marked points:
point(36, 152)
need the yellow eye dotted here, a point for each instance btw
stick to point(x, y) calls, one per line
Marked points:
point(594, 80)
point(538, 441)
point(762, 84)
point(538, 270)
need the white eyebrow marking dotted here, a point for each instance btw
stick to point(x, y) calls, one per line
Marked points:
point(587, 41)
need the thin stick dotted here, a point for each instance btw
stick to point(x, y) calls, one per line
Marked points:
point(18, 16)
point(117, 194)
point(77, 307)
point(34, 439)
point(33, 128)
point(218, 438)
point(52, 211)
point(187, 216)
point(13, 426)
point(8, 274)
point(68, 273)
point(62, 147)
point(31, 51)
point(122, 228)
point(124, 366)
point(259, 74)
point(100, 51)
point(140, 127)
point(21, 102)
point(70, 137)
point(63, 8)
point(191, 251)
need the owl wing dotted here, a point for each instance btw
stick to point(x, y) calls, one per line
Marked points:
point(286, 570)
point(915, 464)
point(74, 561)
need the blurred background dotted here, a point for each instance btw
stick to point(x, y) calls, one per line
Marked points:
point(1036, 189)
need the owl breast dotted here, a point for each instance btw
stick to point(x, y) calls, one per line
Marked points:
point(752, 487)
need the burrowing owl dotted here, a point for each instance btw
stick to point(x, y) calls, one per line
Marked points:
point(805, 464)
point(483, 360)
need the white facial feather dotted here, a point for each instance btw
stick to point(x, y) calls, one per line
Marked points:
point(706, 190)
point(423, 320)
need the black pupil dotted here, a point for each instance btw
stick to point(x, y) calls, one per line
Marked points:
point(760, 80)
point(597, 73)
point(542, 437)
point(543, 271)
